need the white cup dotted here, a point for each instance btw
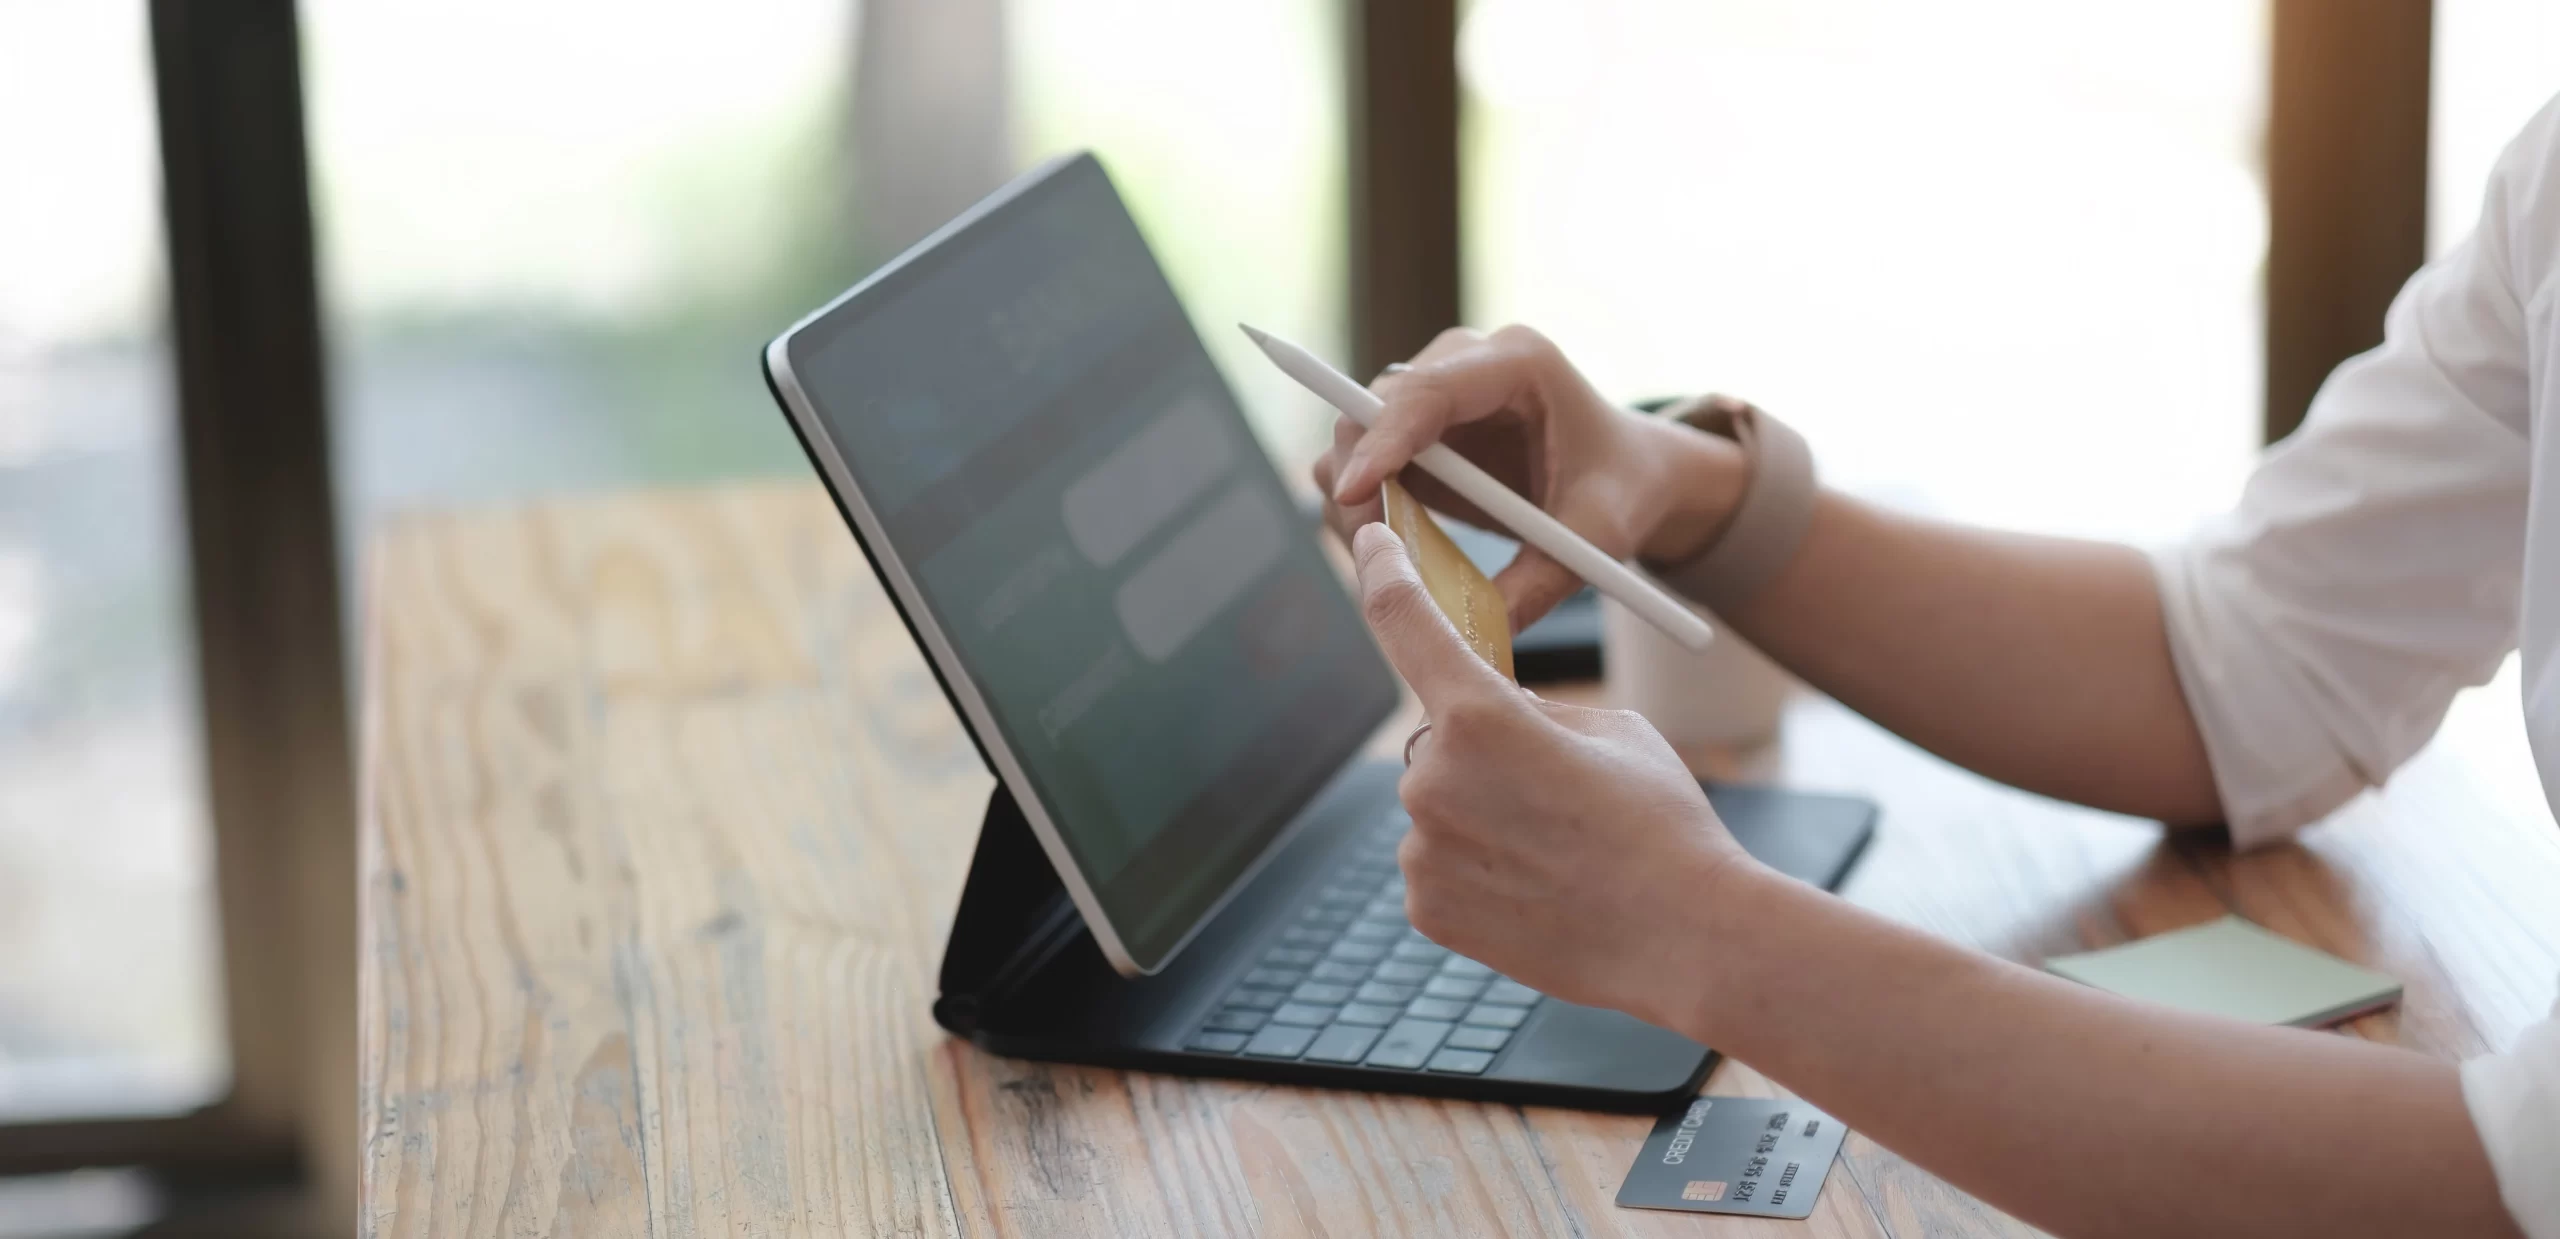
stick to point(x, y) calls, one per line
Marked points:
point(1729, 695)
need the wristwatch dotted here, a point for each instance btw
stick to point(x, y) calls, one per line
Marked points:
point(1767, 524)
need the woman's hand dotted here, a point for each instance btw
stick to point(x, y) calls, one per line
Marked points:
point(1510, 401)
point(1563, 846)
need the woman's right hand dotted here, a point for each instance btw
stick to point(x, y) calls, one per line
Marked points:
point(1635, 486)
point(1565, 846)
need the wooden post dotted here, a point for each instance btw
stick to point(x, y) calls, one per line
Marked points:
point(1403, 114)
point(262, 540)
point(2346, 185)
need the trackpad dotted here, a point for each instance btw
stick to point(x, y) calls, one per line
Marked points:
point(1587, 1047)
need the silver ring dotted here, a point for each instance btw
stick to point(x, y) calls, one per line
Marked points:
point(1409, 740)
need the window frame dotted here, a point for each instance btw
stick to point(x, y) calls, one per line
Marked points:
point(264, 594)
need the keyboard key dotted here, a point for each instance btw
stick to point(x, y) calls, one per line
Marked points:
point(1328, 915)
point(1321, 993)
point(1357, 952)
point(1342, 1043)
point(1376, 1015)
point(1343, 892)
point(1435, 1009)
point(1307, 935)
point(1235, 1019)
point(1385, 908)
point(1461, 1062)
point(1258, 999)
point(1280, 1041)
point(1404, 972)
point(1471, 1037)
point(1509, 993)
point(1445, 986)
point(1383, 933)
point(1421, 949)
point(1290, 957)
point(1408, 1044)
point(1386, 992)
point(1339, 972)
point(1277, 978)
point(1218, 1042)
point(1487, 1015)
point(1302, 1013)
point(1461, 966)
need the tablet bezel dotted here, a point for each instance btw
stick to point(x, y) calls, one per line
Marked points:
point(950, 670)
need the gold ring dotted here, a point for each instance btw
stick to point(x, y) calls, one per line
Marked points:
point(1409, 740)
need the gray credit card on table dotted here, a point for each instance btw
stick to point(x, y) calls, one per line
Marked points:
point(1749, 1155)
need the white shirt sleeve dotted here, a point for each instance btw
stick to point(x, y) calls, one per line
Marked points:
point(2372, 568)
point(2514, 1100)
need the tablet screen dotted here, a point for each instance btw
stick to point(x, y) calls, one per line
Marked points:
point(1103, 545)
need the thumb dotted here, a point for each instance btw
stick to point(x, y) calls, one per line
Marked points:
point(1416, 637)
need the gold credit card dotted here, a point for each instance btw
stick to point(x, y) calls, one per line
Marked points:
point(1463, 591)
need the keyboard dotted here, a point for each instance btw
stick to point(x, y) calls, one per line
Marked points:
point(1349, 982)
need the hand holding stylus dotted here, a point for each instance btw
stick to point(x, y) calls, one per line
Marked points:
point(1504, 433)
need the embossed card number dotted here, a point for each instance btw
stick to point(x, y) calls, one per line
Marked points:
point(1735, 1155)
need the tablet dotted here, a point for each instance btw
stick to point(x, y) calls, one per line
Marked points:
point(1059, 491)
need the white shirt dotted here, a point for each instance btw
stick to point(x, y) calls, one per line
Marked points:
point(2390, 553)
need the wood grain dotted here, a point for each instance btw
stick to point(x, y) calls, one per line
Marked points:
point(665, 819)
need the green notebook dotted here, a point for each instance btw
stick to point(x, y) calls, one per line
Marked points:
point(2231, 967)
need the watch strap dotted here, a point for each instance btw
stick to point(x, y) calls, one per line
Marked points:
point(1768, 523)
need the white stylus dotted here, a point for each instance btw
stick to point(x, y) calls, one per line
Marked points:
point(1496, 500)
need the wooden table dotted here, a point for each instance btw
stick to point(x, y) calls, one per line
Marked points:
point(664, 820)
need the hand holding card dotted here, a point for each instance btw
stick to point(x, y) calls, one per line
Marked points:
point(1551, 841)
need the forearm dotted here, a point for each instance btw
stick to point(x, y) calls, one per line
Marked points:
point(2081, 1112)
point(2040, 662)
